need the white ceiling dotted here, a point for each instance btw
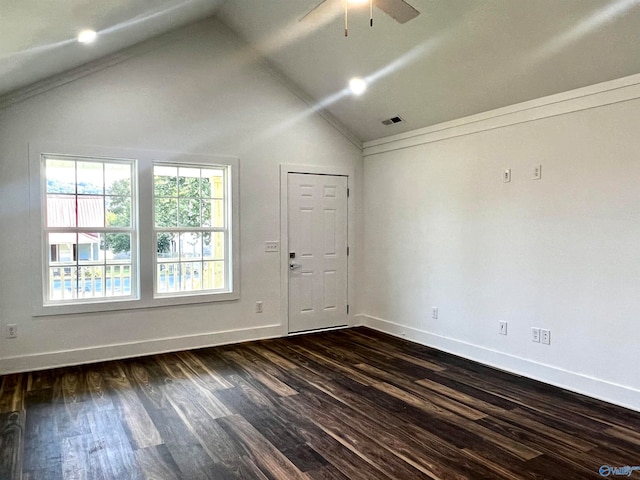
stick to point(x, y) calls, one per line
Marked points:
point(38, 37)
point(459, 57)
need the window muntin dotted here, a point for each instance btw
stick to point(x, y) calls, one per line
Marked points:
point(89, 230)
point(191, 229)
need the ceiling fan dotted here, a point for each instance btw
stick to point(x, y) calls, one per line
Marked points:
point(399, 10)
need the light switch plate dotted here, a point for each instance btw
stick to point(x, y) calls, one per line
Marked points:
point(271, 247)
point(535, 334)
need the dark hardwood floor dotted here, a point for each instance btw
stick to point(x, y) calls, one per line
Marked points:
point(349, 404)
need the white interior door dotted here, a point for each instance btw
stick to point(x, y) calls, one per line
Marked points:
point(317, 238)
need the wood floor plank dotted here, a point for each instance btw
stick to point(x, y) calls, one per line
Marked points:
point(264, 377)
point(200, 423)
point(475, 403)
point(78, 463)
point(204, 374)
point(110, 447)
point(322, 357)
point(193, 461)
point(345, 460)
point(269, 459)
point(425, 396)
point(390, 350)
point(12, 393)
point(386, 437)
point(98, 390)
point(157, 463)
point(328, 472)
point(272, 357)
point(350, 404)
point(42, 455)
point(11, 444)
point(142, 430)
point(181, 388)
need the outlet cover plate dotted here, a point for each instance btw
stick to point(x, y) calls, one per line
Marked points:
point(503, 328)
point(11, 331)
point(545, 336)
point(537, 172)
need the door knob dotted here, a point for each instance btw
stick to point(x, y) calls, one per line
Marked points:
point(293, 265)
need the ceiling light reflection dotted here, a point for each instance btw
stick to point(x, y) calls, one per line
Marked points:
point(87, 36)
point(357, 86)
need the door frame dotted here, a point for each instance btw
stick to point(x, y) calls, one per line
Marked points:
point(285, 170)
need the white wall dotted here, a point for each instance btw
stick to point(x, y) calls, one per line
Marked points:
point(440, 227)
point(201, 94)
point(562, 253)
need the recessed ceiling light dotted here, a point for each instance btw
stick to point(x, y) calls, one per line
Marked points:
point(357, 86)
point(87, 36)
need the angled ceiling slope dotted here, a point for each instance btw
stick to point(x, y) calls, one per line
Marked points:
point(457, 58)
point(38, 39)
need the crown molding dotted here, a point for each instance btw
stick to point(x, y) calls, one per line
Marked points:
point(593, 96)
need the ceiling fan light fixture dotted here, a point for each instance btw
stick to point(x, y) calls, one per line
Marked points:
point(357, 85)
point(87, 36)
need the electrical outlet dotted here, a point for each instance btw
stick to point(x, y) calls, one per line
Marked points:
point(545, 336)
point(506, 175)
point(535, 334)
point(434, 312)
point(503, 328)
point(271, 247)
point(259, 306)
point(537, 172)
point(11, 331)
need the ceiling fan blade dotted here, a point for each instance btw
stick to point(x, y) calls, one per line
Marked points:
point(399, 10)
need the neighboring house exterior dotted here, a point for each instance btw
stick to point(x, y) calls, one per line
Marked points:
point(62, 211)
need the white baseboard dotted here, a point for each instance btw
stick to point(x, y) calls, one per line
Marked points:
point(575, 382)
point(41, 361)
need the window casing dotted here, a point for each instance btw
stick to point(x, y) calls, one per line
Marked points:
point(110, 248)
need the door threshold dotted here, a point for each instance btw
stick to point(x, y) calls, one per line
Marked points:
point(317, 330)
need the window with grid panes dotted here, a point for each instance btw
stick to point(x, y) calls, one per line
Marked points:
point(90, 234)
point(191, 229)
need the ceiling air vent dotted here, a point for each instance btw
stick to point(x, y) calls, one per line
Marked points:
point(392, 120)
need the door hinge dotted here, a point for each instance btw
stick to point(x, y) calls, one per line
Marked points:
point(347, 309)
point(348, 192)
point(347, 251)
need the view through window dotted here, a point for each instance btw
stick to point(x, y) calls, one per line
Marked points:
point(123, 229)
point(191, 229)
point(89, 229)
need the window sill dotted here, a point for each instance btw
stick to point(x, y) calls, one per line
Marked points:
point(131, 304)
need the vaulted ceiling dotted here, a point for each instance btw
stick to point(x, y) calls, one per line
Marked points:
point(457, 58)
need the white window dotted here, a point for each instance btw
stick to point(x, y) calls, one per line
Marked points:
point(117, 229)
point(191, 212)
point(89, 232)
